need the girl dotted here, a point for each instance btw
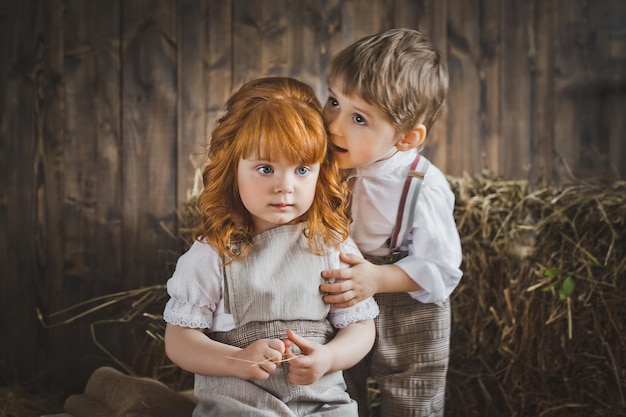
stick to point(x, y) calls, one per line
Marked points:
point(273, 217)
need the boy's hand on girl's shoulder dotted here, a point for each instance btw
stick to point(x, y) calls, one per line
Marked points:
point(348, 286)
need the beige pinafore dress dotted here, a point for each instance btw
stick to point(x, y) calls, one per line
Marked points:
point(275, 287)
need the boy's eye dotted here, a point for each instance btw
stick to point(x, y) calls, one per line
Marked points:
point(332, 102)
point(265, 169)
point(358, 119)
point(303, 170)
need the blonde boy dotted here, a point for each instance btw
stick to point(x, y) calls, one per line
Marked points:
point(385, 93)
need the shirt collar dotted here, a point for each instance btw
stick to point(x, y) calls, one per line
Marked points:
point(379, 168)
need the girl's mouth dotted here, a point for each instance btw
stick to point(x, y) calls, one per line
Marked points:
point(281, 205)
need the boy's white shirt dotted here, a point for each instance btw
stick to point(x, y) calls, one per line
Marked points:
point(434, 247)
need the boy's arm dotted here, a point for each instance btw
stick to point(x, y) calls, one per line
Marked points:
point(193, 351)
point(345, 350)
point(432, 266)
point(363, 279)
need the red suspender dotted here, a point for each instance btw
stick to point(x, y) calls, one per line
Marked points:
point(404, 218)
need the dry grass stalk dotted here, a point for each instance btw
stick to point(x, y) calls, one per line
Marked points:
point(258, 363)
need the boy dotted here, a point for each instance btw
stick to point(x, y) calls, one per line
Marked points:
point(385, 93)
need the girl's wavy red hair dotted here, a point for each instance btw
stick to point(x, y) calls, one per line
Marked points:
point(269, 117)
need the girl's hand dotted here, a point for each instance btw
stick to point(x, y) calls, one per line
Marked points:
point(315, 361)
point(352, 284)
point(259, 359)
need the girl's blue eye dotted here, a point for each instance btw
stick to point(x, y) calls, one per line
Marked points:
point(303, 170)
point(265, 169)
point(358, 119)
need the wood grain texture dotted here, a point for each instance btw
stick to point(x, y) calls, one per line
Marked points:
point(92, 182)
point(149, 170)
point(542, 26)
point(219, 60)
point(516, 92)
point(193, 88)
point(615, 89)
point(463, 121)
point(22, 353)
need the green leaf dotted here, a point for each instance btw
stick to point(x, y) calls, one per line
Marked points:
point(552, 272)
point(567, 287)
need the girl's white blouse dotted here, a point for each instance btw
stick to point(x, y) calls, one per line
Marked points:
point(197, 291)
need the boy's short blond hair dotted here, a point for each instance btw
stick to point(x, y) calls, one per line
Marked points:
point(399, 71)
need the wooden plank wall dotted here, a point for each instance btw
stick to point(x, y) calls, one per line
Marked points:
point(106, 106)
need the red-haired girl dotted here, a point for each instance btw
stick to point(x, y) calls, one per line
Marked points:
point(245, 298)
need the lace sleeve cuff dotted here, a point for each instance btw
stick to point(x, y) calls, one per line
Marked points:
point(187, 315)
point(365, 310)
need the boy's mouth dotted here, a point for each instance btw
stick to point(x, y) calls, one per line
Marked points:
point(338, 149)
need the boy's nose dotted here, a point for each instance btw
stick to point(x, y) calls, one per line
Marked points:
point(333, 126)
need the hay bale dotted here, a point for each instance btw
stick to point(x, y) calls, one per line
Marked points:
point(539, 317)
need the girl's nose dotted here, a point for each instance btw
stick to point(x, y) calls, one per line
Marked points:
point(284, 184)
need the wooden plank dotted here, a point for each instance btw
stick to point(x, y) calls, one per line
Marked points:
point(33, 129)
point(338, 23)
point(260, 41)
point(5, 30)
point(543, 22)
point(565, 120)
point(616, 74)
point(515, 149)
point(305, 34)
point(489, 78)
point(583, 87)
point(193, 25)
point(415, 14)
point(609, 90)
point(93, 177)
point(48, 165)
point(326, 19)
point(93, 201)
point(430, 18)
point(219, 61)
point(595, 156)
point(49, 168)
point(149, 139)
point(23, 340)
point(464, 132)
point(361, 18)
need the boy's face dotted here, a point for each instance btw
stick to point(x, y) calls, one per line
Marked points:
point(275, 192)
point(359, 132)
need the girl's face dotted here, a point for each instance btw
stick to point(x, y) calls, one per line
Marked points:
point(275, 192)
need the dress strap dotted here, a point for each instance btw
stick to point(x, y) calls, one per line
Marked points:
point(410, 192)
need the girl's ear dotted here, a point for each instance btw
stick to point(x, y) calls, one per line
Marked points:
point(413, 138)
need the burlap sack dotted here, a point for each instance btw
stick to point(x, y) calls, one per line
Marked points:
point(109, 393)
